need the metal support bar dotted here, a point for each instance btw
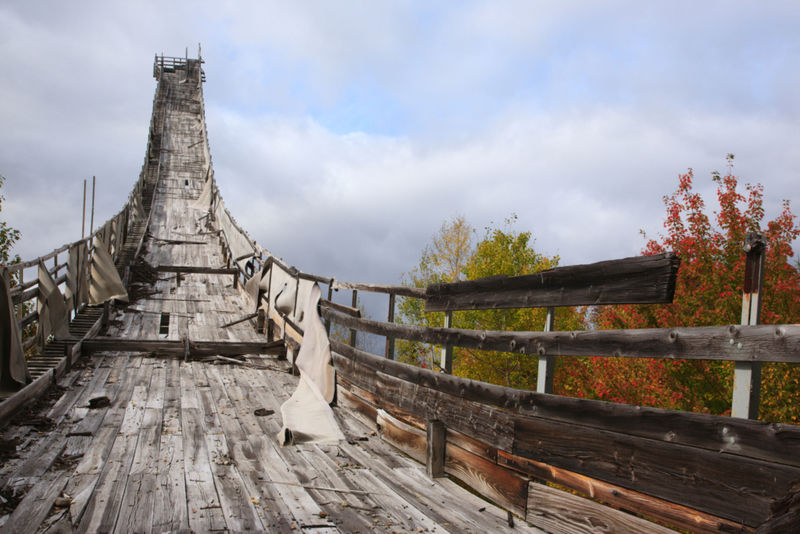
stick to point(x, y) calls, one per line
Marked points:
point(353, 331)
point(547, 362)
point(747, 375)
point(390, 340)
point(447, 350)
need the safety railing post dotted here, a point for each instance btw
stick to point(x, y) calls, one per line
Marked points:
point(747, 375)
point(547, 362)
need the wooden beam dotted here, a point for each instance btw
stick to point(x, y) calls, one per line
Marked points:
point(775, 343)
point(434, 450)
point(632, 501)
point(559, 512)
point(351, 311)
point(772, 442)
point(176, 348)
point(413, 292)
point(736, 488)
point(189, 269)
point(638, 280)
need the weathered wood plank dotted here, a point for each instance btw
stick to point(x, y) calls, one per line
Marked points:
point(495, 482)
point(36, 504)
point(480, 421)
point(734, 488)
point(103, 506)
point(755, 439)
point(176, 348)
point(637, 280)
point(403, 291)
point(559, 512)
point(136, 510)
point(169, 498)
point(765, 343)
point(632, 501)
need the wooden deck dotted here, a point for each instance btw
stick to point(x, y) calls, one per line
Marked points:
point(183, 445)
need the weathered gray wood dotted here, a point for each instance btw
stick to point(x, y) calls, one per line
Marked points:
point(176, 348)
point(684, 475)
point(434, 451)
point(413, 292)
point(638, 280)
point(777, 343)
point(12, 405)
point(36, 504)
point(351, 311)
point(756, 439)
point(747, 375)
point(632, 501)
point(560, 512)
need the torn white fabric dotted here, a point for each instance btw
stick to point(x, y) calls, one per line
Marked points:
point(105, 283)
point(307, 415)
point(251, 289)
point(203, 202)
point(306, 419)
point(303, 295)
point(53, 313)
point(285, 300)
point(13, 367)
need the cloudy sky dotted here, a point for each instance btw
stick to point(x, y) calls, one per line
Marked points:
point(344, 133)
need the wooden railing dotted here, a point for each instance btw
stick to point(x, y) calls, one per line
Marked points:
point(697, 472)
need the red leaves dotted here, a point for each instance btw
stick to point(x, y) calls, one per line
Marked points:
point(708, 292)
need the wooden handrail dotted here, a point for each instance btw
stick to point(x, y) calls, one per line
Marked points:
point(766, 343)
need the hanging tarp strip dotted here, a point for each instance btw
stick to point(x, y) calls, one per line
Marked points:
point(53, 313)
point(204, 201)
point(105, 283)
point(307, 415)
point(13, 368)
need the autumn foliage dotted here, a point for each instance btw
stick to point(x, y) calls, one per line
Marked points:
point(708, 292)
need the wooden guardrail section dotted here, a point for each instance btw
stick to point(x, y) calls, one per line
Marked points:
point(697, 472)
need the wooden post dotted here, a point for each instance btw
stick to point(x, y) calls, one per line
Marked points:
point(435, 449)
point(389, 339)
point(547, 362)
point(354, 332)
point(447, 351)
point(68, 355)
point(330, 299)
point(91, 223)
point(747, 375)
point(261, 321)
point(106, 313)
point(83, 219)
point(21, 306)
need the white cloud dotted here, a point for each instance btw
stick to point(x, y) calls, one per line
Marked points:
point(343, 134)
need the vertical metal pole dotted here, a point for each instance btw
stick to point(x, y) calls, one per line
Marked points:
point(447, 350)
point(330, 299)
point(91, 224)
point(747, 375)
point(547, 362)
point(83, 220)
point(354, 332)
point(390, 340)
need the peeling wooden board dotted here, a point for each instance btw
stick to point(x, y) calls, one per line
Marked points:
point(559, 512)
point(36, 504)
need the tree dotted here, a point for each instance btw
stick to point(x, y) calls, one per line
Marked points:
point(8, 236)
point(708, 292)
point(441, 262)
point(502, 251)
